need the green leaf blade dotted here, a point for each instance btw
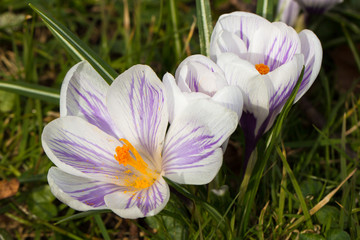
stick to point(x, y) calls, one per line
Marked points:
point(76, 47)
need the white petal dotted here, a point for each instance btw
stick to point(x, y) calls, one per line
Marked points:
point(237, 71)
point(80, 148)
point(79, 193)
point(274, 45)
point(228, 42)
point(242, 24)
point(257, 102)
point(231, 98)
point(192, 152)
point(146, 202)
point(198, 73)
point(137, 103)
point(83, 94)
point(312, 50)
point(175, 98)
point(284, 79)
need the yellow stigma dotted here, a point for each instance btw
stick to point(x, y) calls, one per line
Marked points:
point(139, 175)
point(262, 68)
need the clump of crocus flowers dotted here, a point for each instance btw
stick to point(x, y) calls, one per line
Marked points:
point(113, 145)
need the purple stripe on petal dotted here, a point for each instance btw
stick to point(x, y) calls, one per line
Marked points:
point(145, 103)
point(181, 151)
point(94, 196)
point(85, 190)
point(268, 54)
point(94, 111)
point(307, 74)
point(147, 199)
point(82, 154)
point(281, 96)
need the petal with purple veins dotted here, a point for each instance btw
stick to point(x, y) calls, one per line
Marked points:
point(80, 193)
point(192, 153)
point(312, 50)
point(136, 102)
point(81, 149)
point(143, 203)
point(274, 45)
point(83, 94)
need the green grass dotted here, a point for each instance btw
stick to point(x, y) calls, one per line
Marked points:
point(318, 147)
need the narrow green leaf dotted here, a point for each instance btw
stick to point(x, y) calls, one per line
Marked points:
point(265, 9)
point(101, 226)
point(75, 46)
point(203, 14)
point(82, 215)
point(31, 90)
point(352, 46)
point(174, 22)
point(296, 188)
point(259, 168)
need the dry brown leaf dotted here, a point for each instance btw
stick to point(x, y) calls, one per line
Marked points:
point(8, 188)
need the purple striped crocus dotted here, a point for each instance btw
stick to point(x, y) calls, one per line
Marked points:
point(265, 60)
point(111, 145)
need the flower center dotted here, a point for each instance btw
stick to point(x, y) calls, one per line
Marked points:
point(262, 68)
point(139, 175)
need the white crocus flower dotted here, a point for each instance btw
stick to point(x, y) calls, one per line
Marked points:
point(199, 77)
point(265, 60)
point(112, 145)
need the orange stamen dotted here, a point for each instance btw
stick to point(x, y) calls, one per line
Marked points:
point(262, 68)
point(134, 162)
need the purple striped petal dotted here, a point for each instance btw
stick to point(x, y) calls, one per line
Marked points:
point(312, 50)
point(284, 80)
point(146, 202)
point(81, 149)
point(136, 102)
point(83, 94)
point(274, 45)
point(79, 193)
point(192, 153)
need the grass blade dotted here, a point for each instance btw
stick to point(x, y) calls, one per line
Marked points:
point(296, 188)
point(76, 47)
point(203, 14)
point(82, 215)
point(32, 90)
point(101, 226)
point(265, 9)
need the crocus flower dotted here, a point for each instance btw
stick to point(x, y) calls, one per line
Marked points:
point(111, 146)
point(288, 11)
point(199, 77)
point(265, 60)
point(317, 6)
